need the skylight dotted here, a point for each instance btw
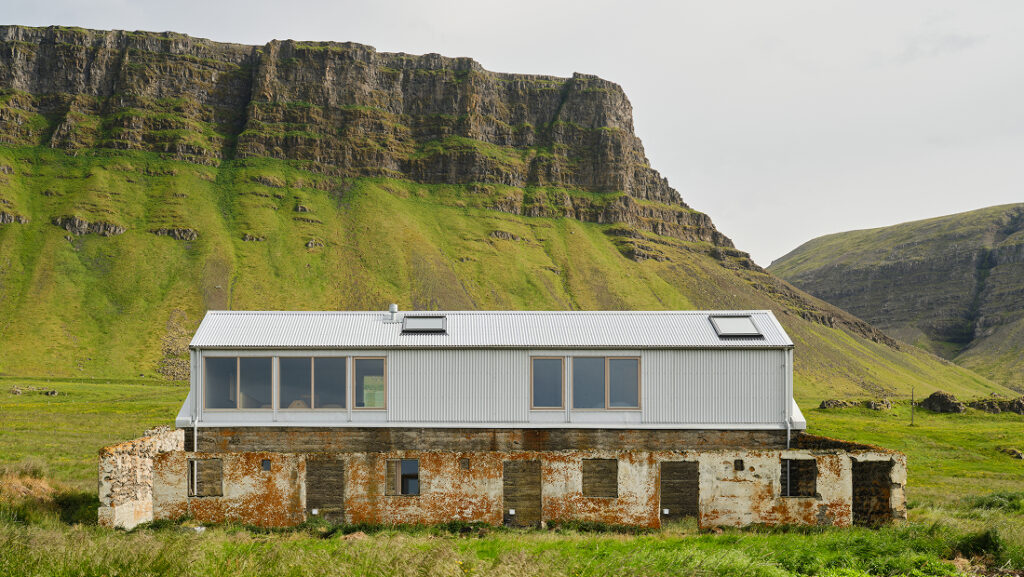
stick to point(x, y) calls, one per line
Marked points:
point(424, 324)
point(735, 326)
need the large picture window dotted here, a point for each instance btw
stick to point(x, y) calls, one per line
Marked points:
point(588, 382)
point(295, 382)
point(547, 379)
point(255, 382)
point(239, 382)
point(329, 390)
point(606, 383)
point(221, 383)
point(370, 385)
point(312, 382)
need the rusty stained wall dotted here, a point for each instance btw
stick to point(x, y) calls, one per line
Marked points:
point(448, 492)
point(273, 498)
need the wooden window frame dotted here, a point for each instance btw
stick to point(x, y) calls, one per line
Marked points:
point(355, 407)
point(607, 383)
point(312, 385)
point(393, 486)
point(561, 396)
point(238, 384)
point(312, 378)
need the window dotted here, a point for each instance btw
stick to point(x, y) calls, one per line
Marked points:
point(588, 383)
point(205, 478)
point(265, 464)
point(799, 477)
point(737, 465)
point(547, 376)
point(371, 384)
point(255, 388)
point(221, 383)
point(606, 383)
point(295, 381)
point(735, 326)
point(238, 382)
point(312, 382)
point(329, 387)
point(623, 383)
point(403, 477)
point(600, 478)
point(424, 324)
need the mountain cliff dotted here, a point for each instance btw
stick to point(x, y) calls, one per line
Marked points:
point(146, 178)
point(953, 285)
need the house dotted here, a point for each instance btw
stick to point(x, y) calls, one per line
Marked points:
point(510, 417)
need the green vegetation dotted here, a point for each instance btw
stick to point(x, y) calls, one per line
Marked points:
point(950, 285)
point(917, 550)
point(123, 306)
point(48, 452)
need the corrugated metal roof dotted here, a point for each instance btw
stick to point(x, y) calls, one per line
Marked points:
point(482, 329)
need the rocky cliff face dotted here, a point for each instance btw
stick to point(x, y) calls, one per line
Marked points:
point(340, 109)
point(953, 285)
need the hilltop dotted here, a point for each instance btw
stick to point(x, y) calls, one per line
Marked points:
point(953, 285)
point(148, 177)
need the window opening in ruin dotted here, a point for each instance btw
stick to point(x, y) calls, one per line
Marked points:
point(799, 477)
point(403, 477)
point(600, 478)
point(205, 478)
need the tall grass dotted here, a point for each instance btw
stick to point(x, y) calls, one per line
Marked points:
point(39, 540)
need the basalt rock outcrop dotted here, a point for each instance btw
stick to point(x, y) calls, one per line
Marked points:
point(342, 109)
point(80, 226)
point(942, 402)
point(953, 285)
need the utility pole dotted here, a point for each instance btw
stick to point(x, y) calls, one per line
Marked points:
point(911, 406)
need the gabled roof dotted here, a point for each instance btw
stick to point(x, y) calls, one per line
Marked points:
point(483, 329)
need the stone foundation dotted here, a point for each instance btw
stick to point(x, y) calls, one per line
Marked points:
point(537, 474)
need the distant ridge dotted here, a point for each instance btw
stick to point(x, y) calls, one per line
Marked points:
point(953, 285)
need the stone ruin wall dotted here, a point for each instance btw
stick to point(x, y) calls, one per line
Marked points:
point(126, 476)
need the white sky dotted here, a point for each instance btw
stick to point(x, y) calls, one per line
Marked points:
point(782, 120)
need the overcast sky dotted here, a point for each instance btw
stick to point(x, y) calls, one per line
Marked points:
point(782, 120)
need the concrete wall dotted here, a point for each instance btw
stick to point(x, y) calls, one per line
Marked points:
point(447, 491)
point(126, 477)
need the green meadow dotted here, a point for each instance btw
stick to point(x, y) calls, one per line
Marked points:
point(966, 509)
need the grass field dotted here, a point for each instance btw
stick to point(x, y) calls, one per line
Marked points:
point(954, 462)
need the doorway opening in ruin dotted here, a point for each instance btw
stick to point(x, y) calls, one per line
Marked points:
point(325, 489)
point(872, 488)
point(521, 493)
point(680, 490)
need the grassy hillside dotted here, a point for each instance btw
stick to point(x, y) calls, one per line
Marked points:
point(953, 285)
point(124, 306)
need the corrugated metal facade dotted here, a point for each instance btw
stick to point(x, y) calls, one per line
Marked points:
point(715, 386)
point(682, 388)
point(452, 386)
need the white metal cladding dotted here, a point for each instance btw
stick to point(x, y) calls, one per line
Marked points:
point(485, 329)
point(459, 386)
point(679, 388)
point(715, 386)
